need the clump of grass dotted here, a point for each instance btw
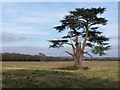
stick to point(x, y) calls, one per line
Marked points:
point(85, 68)
point(69, 68)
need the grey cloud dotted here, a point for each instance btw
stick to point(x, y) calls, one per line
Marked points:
point(7, 37)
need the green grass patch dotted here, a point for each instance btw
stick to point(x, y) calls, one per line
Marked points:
point(104, 75)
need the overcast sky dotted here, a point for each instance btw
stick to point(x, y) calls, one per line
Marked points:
point(27, 26)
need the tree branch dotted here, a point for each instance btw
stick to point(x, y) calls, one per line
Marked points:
point(87, 54)
point(69, 53)
point(73, 47)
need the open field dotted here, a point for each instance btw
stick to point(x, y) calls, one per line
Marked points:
point(101, 74)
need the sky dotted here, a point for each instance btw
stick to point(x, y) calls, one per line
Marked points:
point(27, 26)
point(60, 0)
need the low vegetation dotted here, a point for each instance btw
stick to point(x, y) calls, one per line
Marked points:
point(28, 57)
point(101, 74)
point(41, 57)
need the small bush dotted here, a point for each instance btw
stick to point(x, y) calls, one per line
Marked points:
point(69, 68)
point(85, 68)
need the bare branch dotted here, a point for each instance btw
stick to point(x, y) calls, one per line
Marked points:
point(87, 54)
point(71, 44)
point(69, 53)
point(89, 50)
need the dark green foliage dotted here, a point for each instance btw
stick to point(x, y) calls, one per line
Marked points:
point(90, 15)
point(79, 22)
point(89, 44)
point(41, 54)
point(100, 50)
point(57, 43)
point(68, 36)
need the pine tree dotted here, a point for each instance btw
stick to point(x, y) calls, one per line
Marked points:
point(82, 25)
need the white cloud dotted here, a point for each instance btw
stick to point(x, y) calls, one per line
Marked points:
point(19, 14)
point(22, 30)
point(34, 20)
point(7, 37)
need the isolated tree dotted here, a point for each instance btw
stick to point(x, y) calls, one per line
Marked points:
point(82, 25)
point(41, 54)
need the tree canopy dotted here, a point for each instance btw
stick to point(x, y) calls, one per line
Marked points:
point(82, 25)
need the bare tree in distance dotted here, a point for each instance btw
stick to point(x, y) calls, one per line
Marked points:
point(82, 25)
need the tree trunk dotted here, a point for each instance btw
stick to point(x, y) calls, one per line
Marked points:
point(78, 61)
point(75, 62)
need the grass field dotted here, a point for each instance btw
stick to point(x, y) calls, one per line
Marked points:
point(101, 74)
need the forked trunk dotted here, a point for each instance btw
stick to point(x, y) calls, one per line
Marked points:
point(78, 62)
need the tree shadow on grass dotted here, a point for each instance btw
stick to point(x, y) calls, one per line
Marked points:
point(52, 79)
point(73, 67)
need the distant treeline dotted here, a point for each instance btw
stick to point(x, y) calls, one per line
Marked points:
point(28, 57)
point(42, 57)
